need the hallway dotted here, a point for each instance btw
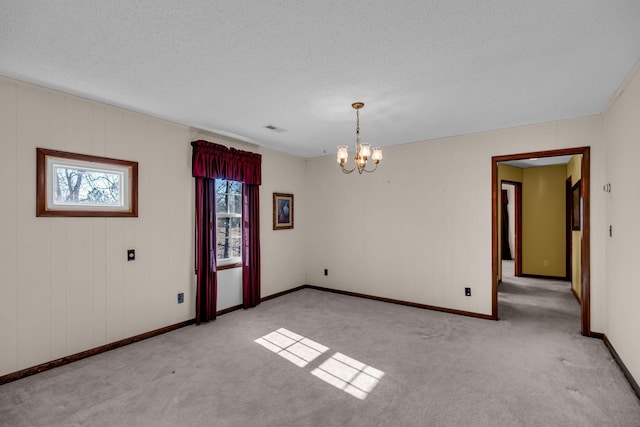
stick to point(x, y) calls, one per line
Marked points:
point(546, 304)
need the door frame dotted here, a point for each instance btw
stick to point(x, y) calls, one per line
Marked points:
point(585, 246)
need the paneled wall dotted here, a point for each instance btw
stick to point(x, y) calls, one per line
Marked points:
point(621, 129)
point(419, 228)
point(66, 284)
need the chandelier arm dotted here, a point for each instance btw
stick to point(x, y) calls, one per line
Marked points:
point(372, 170)
point(347, 171)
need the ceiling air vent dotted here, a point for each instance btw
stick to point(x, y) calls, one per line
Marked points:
point(274, 128)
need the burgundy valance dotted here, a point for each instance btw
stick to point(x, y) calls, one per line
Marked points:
point(217, 161)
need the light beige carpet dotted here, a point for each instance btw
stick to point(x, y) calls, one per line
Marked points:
point(313, 358)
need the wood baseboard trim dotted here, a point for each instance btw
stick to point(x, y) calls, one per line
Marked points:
point(88, 353)
point(540, 276)
point(400, 302)
point(268, 297)
point(228, 310)
point(92, 352)
point(14, 376)
point(279, 294)
point(575, 294)
point(623, 368)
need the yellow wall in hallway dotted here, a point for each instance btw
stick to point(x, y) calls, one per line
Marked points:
point(509, 173)
point(544, 221)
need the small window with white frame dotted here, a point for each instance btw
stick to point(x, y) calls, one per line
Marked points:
point(228, 222)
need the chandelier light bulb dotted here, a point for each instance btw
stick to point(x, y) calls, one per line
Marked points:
point(377, 155)
point(343, 154)
point(365, 150)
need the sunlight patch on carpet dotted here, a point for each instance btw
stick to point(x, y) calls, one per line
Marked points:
point(293, 347)
point(348, 374)
point(341, 371)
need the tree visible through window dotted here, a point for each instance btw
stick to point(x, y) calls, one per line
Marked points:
point(86, 186)
point(229, 221)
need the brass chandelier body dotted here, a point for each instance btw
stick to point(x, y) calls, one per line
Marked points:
point(363, 151)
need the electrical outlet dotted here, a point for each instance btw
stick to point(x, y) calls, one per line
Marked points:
point(180, 298)
point(546, 263)
point(326, 271)
point(131, 255)
point(467, 292)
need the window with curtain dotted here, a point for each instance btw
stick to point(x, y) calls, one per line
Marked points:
point(228, 223)
point(214, 164)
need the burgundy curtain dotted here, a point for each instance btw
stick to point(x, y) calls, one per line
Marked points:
point(211, 161)
point(206, 279)
point(250, 246)
point(217, 161)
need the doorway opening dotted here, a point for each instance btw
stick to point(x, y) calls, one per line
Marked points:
point(581, 248)
point(511, 224)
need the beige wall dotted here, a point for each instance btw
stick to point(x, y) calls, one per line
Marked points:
point(282, 252)
point(621, 131)
point(544, 221)
point(416, 230)
point(420, 230)
point(65, 283)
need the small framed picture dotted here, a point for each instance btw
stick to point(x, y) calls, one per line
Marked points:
point(78, 185)
point(576, 207)
point(282, 211)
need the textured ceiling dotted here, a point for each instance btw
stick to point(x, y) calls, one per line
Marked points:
point(424, 69)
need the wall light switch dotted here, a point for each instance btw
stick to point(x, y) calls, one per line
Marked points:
point(131, 255)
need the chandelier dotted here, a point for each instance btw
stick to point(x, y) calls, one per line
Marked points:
point(363, 151)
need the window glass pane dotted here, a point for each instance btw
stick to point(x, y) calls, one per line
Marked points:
point(86, 186)
point(229, 219)
point(236, 187)
point(221, 185)
point(228, 248)
point(234, 248)
point(234, 203)
point(228, 196)
point(221, 199)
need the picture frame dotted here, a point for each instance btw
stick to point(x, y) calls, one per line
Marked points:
point(282, 211)
point(576, 207)
point(80, 185)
